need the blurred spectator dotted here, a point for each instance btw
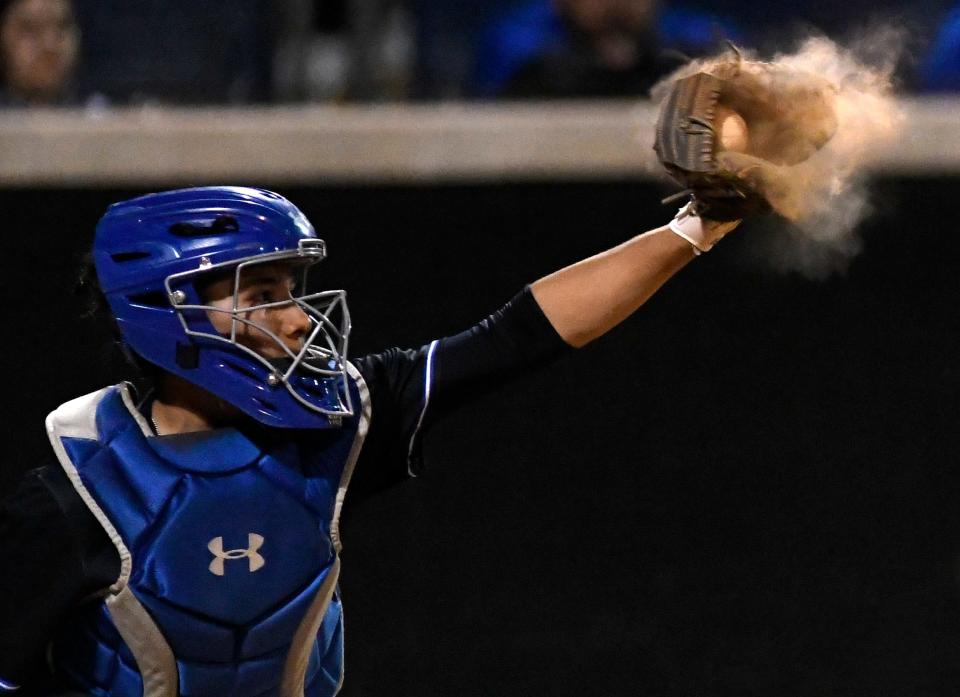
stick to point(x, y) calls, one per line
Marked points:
point(591, 48)
point(177, 51)
point(383, 37)
point(333, 50)
point(940, 69)
point(38, 45)
point(294, 28)
point(446, 42)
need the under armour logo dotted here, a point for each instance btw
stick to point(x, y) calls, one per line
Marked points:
point(254, 541)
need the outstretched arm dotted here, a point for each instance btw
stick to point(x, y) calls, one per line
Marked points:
point(587, 299)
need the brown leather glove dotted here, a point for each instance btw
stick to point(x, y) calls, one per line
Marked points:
point(788, 115)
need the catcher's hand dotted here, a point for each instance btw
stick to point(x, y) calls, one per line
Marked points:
point(731, 133)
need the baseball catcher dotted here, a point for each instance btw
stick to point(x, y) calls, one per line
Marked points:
point(191, 529)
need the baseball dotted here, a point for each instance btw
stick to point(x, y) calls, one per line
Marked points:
point(732, 129)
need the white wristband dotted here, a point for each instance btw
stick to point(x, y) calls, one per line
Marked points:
point(701, 233)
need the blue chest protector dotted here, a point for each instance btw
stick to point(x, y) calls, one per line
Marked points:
point(228, 549)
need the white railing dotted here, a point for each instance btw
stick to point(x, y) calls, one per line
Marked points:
point(383, 144)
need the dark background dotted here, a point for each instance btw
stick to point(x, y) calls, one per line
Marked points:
point(749, 488)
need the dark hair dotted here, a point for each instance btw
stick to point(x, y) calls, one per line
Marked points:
point(96, 308)
point(87, 288)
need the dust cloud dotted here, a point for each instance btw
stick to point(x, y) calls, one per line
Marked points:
point(826, 195)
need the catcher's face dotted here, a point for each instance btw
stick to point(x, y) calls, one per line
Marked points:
point(260, 286)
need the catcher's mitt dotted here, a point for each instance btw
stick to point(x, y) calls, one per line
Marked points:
point(788, 115)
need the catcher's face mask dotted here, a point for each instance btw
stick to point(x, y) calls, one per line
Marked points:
point(261, 306)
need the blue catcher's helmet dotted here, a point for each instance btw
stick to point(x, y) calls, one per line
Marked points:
point(151, 254)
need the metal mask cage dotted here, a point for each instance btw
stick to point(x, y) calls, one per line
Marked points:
point(324, 347)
